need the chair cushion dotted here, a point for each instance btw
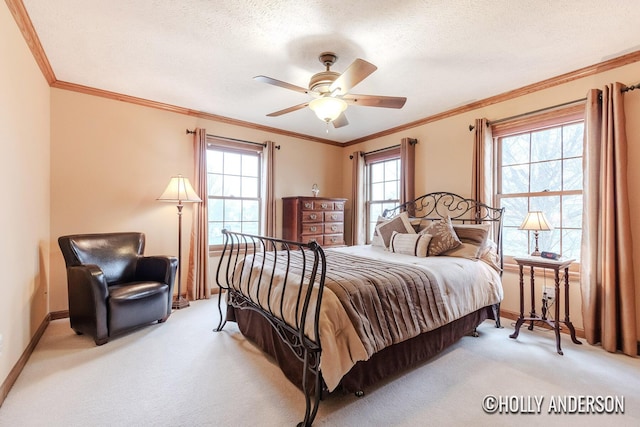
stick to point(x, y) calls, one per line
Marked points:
point(137, 303)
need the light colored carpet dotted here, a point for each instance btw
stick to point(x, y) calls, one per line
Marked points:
point(181, 373)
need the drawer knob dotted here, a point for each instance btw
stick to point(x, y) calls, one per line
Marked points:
point(334, 216)
point(334, 227)
point(314, 228)
point(313, 216)
point(307, 205)
point(324, 205)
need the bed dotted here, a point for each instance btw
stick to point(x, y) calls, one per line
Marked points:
point(345, 318)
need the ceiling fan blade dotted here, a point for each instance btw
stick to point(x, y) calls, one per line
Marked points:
point(287, 110)
point(340, 121)
point(353, 75)
point(375, 100)
point(269, 80)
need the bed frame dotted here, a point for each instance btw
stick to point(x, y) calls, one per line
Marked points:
point(295, 352)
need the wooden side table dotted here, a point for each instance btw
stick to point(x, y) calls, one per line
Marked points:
point(556, 265)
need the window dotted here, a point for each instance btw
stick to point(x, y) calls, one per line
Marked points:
point(382, 175)
point(233, 179)
point(540, 168)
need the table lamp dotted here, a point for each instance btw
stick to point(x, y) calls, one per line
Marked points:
point(536, 221)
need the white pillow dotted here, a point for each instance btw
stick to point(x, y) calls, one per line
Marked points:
point(410, 244)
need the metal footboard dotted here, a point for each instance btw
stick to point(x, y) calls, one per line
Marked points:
point(247, 270)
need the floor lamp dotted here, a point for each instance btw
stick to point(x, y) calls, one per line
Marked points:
point(179, 191)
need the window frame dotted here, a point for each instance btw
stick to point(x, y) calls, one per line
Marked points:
point(529, 124)
point(217, 144)
point(385, 155)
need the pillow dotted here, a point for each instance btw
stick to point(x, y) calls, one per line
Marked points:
point(376, 240)
point(490, 255)
point(443, 239)
point(410, 244)
point(476, 234)
point(399, 223)
point(474, 239)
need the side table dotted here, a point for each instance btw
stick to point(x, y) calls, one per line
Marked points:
point(556, 265)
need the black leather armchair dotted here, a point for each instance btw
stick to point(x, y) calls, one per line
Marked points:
point(112, 286)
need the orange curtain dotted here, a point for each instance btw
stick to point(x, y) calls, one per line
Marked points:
point(198, 274)
point(358, 234)
point(607, 277)
point(408, 174)
point(481, 179)
point(268, 183)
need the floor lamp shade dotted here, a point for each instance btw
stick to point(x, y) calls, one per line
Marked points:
point(179, 191)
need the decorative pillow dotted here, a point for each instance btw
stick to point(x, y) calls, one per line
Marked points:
point(410, 244)
point(376, 240)
point(399, 223)
point(443, 239)
point(474, 239)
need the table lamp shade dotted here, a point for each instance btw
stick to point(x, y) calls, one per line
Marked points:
point(536, 221)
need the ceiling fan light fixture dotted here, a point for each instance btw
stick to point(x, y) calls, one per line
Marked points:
point(327, 108)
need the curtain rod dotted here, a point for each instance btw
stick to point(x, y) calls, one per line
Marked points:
point(529, 113)
point(232, 139)
point(493, 122)
point(412, 141)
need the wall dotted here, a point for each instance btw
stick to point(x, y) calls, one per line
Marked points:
point(24, 173)
point(110, 160)
point(447, 145)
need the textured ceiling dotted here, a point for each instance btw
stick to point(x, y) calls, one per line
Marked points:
point(440, 54)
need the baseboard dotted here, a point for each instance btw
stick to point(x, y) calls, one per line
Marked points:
point(20, 364)
point(62, 314)
point(514, 316)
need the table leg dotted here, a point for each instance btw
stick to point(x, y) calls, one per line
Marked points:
point(533, 299)
point(556, 321)
point(521, 318)
point(567, 322)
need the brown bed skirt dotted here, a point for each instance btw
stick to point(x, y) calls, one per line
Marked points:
point(389, 361)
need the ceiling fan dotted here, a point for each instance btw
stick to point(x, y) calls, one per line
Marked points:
point(330, 90)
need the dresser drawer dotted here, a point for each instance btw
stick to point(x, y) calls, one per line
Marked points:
point(333, 228)
point(333, 240)
point(334, 216)
point(313, 228)
point(324, 205)
point(314, 238)
point(312, 216)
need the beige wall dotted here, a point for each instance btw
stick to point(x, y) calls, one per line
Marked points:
point(24, 174)
point(110, 160)
point(446, 146)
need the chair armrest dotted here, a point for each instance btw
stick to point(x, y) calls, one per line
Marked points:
point(157, 268)
point(88, 280)
point(88, 293)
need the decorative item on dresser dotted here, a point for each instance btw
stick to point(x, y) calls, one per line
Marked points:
point(318, 219)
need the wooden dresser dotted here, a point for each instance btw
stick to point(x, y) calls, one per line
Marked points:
point(313, 218)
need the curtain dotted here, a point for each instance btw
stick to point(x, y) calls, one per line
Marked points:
point(408, 174)
point(198, 274)
point(607, 277)
point(481, 179)
point(358, 233)
point(268, 183)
